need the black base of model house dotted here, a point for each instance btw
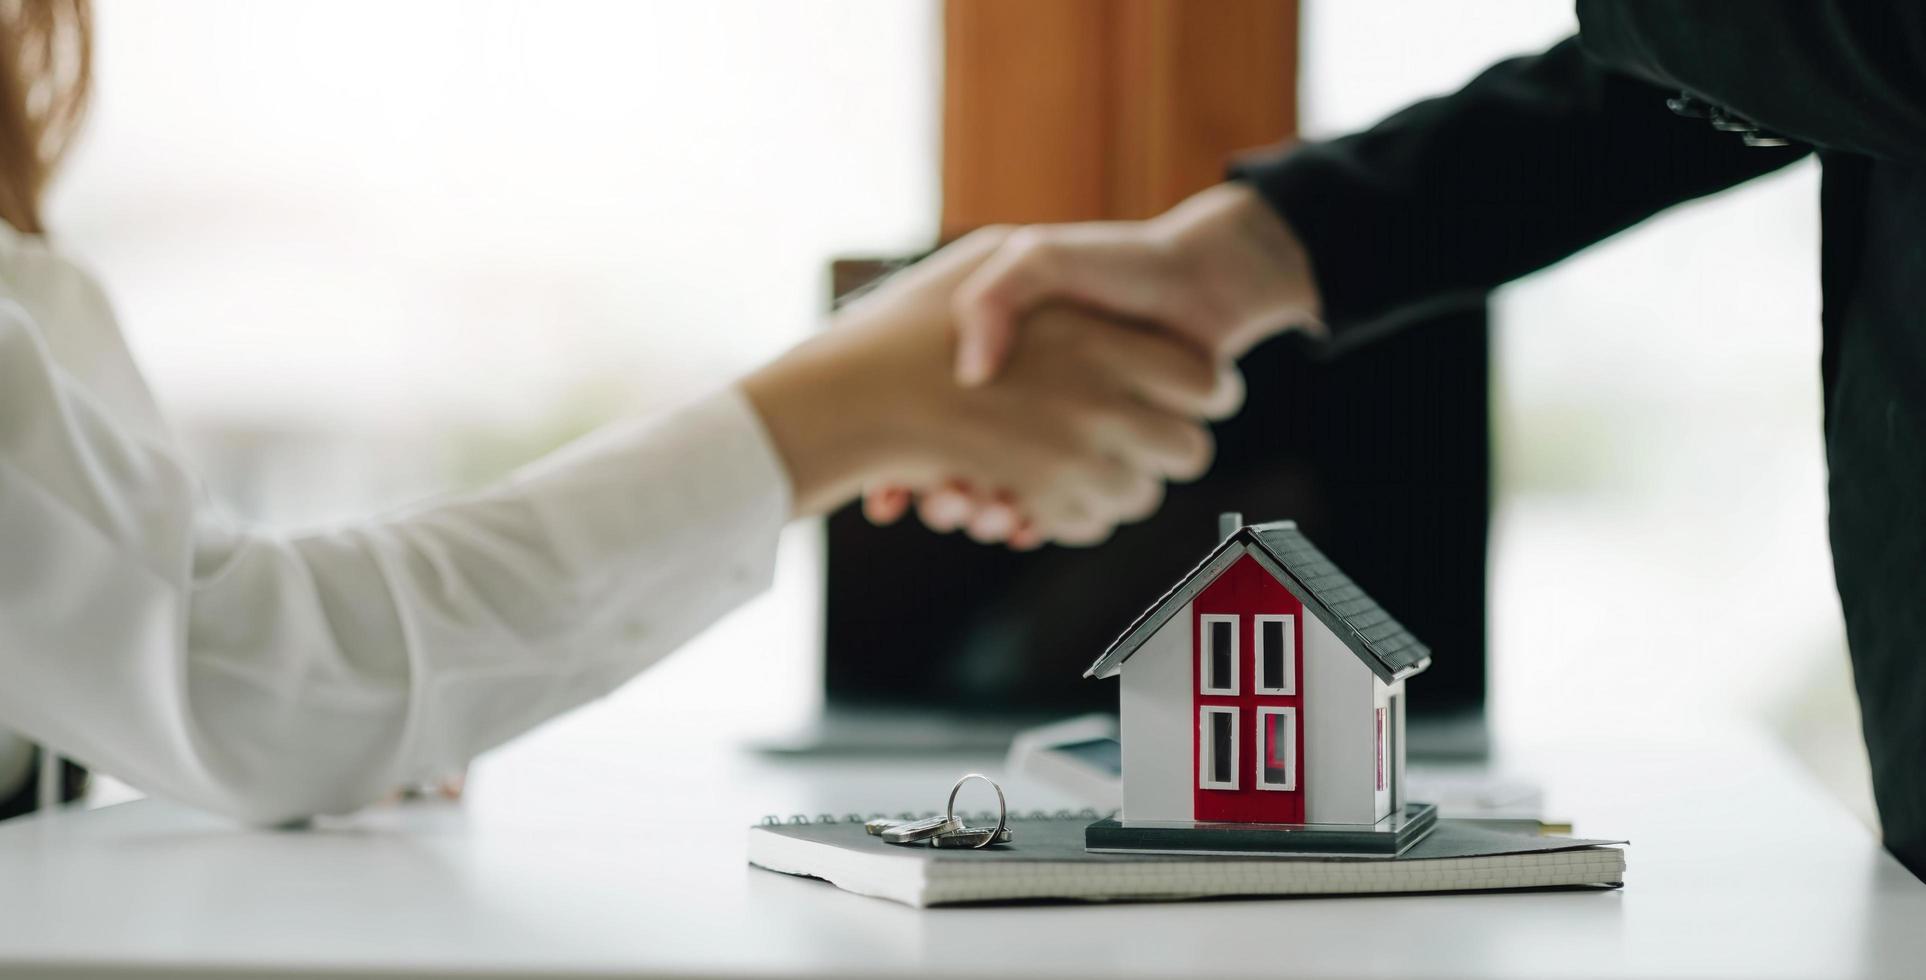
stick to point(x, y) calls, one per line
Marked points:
point(1386, 838)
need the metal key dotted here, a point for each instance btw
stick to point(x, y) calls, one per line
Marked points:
point(948, 830)
point(918, 831)
point(972, 837)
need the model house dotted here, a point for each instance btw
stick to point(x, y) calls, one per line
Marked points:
point(1265, 688)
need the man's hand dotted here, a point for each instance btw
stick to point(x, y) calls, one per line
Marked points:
point(1220, 272)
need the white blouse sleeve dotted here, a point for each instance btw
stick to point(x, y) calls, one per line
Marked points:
point(274, 676)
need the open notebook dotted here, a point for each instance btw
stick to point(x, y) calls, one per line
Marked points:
point(1047, 861)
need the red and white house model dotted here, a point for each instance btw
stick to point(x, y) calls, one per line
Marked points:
point(1262, 708)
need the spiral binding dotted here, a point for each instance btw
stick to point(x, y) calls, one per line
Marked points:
point(981, 817)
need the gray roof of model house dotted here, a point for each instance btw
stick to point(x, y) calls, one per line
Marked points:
point(1382, 643)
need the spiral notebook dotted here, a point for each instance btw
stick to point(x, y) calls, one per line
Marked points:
point(1047, 861)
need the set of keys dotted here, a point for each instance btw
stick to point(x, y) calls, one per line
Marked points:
point(947, 830)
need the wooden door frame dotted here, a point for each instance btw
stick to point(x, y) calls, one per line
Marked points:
point(1081, 110)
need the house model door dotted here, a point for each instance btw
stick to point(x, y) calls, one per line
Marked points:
point(1247, 646)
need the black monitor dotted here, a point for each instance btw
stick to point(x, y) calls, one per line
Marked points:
point(1381, 455)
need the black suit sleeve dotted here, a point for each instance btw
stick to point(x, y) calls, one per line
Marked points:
point(1840, 76)
point(1535, 159)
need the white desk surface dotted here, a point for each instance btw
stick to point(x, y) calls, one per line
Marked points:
point(612, 859)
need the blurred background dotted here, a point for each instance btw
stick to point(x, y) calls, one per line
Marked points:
point(369, 251)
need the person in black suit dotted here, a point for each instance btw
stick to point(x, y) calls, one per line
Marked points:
point(1652, 104)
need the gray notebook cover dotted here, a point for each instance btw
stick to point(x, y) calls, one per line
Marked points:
point(1050, 853)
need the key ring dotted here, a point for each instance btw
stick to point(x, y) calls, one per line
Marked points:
point(1002, 809)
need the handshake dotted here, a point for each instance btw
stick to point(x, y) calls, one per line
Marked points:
point(1038, 384)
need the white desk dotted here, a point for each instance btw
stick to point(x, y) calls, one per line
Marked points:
point(1738, 867)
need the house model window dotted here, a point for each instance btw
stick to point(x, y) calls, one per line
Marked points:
point(1217, 748)
point(1277, 748)
point(1219, 661)
point(1276, 654)
point(1384, 743)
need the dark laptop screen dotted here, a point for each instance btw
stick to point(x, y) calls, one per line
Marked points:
point(1382, 456)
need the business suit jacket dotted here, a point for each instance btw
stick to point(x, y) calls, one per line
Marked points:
point(1540, 156)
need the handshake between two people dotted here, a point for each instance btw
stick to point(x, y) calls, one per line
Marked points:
point(1039, 384)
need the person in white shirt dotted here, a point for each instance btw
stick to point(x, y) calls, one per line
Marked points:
point(272, 676)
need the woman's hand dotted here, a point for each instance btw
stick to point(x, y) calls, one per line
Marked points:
point(1077, 434)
